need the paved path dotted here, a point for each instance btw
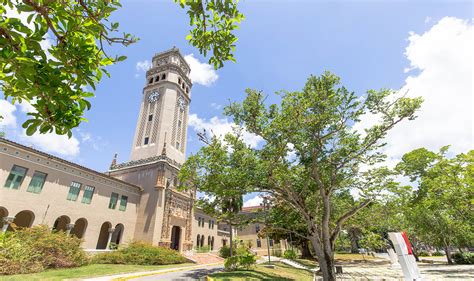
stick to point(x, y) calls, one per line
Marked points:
point(184, 275)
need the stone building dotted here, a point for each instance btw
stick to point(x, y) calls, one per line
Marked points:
point(137, 199)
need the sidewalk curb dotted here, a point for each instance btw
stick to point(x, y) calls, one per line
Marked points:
point(164, 271)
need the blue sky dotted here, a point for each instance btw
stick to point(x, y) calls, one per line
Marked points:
point(280, 44)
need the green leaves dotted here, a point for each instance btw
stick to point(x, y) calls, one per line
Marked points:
point(51, 59)
point(213, 23)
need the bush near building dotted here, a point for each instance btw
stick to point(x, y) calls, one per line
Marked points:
point(243, 258)
point(141, 253)
point(38, 248)
point(463, 258)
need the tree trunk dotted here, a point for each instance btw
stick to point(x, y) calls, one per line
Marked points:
point(305, 251)
point(231, 240)
point(448, 254)
point(325, 260)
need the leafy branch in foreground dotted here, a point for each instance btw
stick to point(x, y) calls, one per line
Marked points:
point(50, 59)
point(213, 23)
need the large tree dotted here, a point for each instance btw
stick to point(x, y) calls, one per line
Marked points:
point(215, 173)
point(56, 55)
point(440, 210)
point(317, 125)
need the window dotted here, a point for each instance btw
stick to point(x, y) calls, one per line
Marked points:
point(74, 190)
point(209, 224)
point(271, 242)
point(123, 203)
point(16, 176)
point(146, 141)
point(113, 200)
point(157, 78)
point(88, 193)
point(259, 243)
point(257, 228)
point(177, 145)
point(37, 182)
point(150, 81)
point(150, 117)
point(179, 80)
point(179, 125)
point(163, 76)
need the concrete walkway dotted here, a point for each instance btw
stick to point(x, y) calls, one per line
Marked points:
point(156, 274)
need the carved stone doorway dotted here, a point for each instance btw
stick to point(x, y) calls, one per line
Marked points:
point(175, 237)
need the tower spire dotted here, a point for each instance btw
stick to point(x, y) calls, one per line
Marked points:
point(114, 160)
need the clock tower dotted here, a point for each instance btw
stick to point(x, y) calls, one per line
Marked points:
point(165, 213)
point(162, 121)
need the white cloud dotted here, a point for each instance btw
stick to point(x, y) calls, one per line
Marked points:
point(255, 201)
point(8, 118)
point(143, 65)
point(220, 127)
point(52, 143)
point(201, 73)
point(216, 106)
point(442, 57)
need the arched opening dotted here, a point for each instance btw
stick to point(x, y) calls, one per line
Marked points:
point(157, 78)
point(212, 243)
point(209, 241)
point(60, 224)
point(24, 219)
point(117, 235)
point(198, 240)
point(79, 228)
point(150, 80)
point(163, 76)
point(103, 235)
point(202, 241)
point(175, 237)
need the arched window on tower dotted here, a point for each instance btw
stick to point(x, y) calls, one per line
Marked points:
point(163, 76)
point(150, 81)
point(157, 78)
point(179, 80)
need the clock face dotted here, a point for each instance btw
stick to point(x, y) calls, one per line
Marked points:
point(153, 96)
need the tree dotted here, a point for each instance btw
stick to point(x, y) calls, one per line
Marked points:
point(317, 124)
point(214, 172)
point(440, 210)
point(59, 52)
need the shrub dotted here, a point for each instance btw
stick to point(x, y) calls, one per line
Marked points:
point(243, 259)
point(437, 254)
point(463, 258)
point(224, 251)
point(203, 249)
point(423, 254)
point(141, 253)
point(231, 263)
point(290, 254)
point(35, 249)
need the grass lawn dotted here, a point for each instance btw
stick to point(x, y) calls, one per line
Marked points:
point(281, 272)
point(86, 271)
point(339, 258)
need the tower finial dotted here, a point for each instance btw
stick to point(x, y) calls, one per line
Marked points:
point(114, 161)
point(163, 152)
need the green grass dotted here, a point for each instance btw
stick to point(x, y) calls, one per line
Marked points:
point(93, 270)
point(281, 272)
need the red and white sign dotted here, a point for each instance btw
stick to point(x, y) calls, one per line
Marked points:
point(405, 255)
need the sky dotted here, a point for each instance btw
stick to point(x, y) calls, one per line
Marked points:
point(423, 47)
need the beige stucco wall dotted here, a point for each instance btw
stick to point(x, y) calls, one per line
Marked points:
point(51, 203)
point(205, 230)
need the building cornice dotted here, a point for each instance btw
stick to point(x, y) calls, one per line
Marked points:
point(75, 169)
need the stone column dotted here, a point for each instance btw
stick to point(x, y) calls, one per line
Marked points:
point(6, 223)
point(69, 227)
point(111, 231)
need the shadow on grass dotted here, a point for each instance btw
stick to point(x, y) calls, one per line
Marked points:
point(248, 275)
